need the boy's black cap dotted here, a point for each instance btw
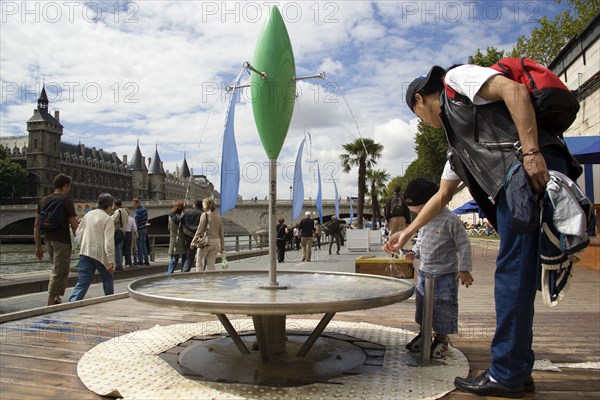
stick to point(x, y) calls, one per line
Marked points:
point(435, 75)
point(419, 191)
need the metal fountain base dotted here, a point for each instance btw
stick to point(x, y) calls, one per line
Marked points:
point(218, 360)
point(141, 365)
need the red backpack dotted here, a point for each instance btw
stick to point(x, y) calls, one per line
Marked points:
point(555, 106)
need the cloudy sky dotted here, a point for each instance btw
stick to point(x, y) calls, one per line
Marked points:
point(155, 71)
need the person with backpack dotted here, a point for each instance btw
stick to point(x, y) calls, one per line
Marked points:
point(55, 215)
point(121, 219)
point(95, 235)
point(396, 212)
point(491, 126)
point(189, 220)
point(334, 230)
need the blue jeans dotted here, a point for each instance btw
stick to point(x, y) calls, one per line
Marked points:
point(127, 248)
point(516, 281)
point(190, 254)
point(174, 261)
point(119, 254)
point(86, 270)
point(142, 249)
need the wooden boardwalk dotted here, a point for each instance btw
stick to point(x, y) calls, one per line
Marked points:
point(39, 355)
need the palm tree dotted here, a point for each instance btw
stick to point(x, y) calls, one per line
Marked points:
point(378, 179)
point(362, 153)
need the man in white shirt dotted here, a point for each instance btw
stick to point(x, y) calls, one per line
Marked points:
point(96, 237)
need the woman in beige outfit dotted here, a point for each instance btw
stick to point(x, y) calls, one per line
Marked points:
point(211, 222)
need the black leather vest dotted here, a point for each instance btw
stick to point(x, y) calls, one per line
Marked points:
point(486, 140)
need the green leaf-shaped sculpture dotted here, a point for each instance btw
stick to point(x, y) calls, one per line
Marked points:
point(273, 98)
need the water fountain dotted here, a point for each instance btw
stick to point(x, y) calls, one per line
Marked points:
point(256, 293)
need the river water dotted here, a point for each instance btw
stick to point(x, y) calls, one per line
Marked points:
point(17, 258)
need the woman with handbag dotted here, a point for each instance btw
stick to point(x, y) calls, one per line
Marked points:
point(209, 237)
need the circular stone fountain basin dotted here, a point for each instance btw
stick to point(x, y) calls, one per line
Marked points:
point(239, 292)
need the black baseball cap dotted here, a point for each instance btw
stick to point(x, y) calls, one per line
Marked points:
point(419, 191)
point(434, 77)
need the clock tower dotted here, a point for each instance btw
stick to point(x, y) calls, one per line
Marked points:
point(43, 152)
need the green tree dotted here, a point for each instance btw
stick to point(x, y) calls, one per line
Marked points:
point(431, 147)
point(548, 38)
point(377, 178)
point(491, 57)
point(362, 153)
point(13, 179)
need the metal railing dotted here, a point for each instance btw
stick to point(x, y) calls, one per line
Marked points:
point(26, 256)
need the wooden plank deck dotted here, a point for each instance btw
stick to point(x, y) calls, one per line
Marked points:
point(38, 355)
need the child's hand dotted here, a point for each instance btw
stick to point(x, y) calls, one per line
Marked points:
point(465, 278)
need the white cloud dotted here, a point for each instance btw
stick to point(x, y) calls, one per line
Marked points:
point(154, 71)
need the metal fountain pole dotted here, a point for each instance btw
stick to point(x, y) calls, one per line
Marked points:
point(272, 216)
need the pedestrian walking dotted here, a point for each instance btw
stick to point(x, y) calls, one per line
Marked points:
point(54, 217)
point(96, 237)
point(334, 230)
point(306, 229)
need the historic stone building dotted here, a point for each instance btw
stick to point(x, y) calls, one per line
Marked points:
point(44, 155)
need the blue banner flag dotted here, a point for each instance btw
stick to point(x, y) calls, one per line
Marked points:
point(337, 200)
point(230, 165)
point(351, 211)
point(319, 195)
point(298, 194)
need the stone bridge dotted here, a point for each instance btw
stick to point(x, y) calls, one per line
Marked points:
point(252, 215)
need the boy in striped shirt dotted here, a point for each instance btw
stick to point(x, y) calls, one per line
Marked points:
point(445, 253)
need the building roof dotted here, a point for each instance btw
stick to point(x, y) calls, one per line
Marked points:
point(185, 170)
point(90, 153)
point(156, 167)
point(137, 163)
point(42, 114)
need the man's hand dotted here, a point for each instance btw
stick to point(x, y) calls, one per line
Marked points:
point(110, 268)
point(410, 256)
point(39, 253)
point(536, 169)
point(465, 278)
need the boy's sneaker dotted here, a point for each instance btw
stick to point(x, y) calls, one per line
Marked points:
point(414, 346)
point(439, 347)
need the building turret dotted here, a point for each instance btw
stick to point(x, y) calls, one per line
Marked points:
point(156, 178)
point(185, 170)
point(139, 174)
point(43, 152)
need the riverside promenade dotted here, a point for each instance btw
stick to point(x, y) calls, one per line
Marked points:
point(40, 348)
